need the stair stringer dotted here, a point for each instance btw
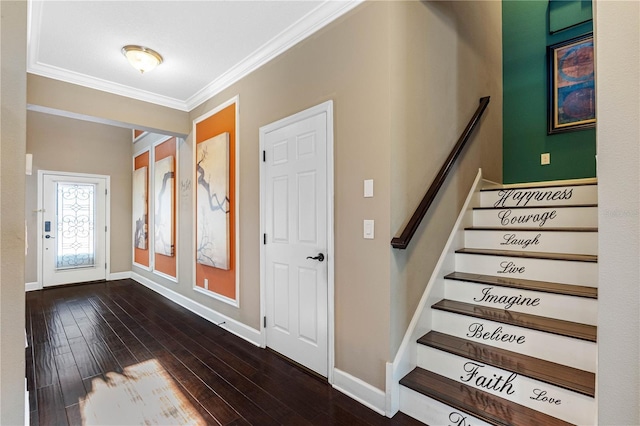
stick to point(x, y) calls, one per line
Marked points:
point(406, 357)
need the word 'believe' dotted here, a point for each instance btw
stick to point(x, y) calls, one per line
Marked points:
point(476, 330)
point(523, 197)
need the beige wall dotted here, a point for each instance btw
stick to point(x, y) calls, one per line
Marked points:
point(13, 39)
point(618, 108)
point(68, 145)
point(347, 62)
point(445, 57)
point(393, 70)
point(59, 97)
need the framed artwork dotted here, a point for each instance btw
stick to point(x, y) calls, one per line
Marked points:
point(140, 208)
point(212, 202)
point(572, 103)
point(216, 206)
point(164, 196)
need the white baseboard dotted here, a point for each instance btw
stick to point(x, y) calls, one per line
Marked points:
point(119, 276)
point(32, 286)
point(241, 330)
point(359, 390)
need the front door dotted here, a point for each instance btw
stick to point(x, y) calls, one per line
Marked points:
point(73, 228)
point(295, 215)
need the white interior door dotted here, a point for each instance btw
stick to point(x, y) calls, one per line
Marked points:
point(73, 228)
point(295, 216)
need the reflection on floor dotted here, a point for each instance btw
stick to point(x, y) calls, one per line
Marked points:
point(119, 354)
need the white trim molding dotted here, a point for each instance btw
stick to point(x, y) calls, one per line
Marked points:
point(324, 14)
point(32, 286)
point(194, 208)
point(361, 391)
point(241, 330)
point(312, 22)
point(405, 359)
point(119, 276)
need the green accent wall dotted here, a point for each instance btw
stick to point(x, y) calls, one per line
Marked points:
point(525, 37)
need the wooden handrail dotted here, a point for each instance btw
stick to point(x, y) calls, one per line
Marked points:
point(404, 239)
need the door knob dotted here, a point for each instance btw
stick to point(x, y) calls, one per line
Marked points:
point(319, 257)
point(48, 236)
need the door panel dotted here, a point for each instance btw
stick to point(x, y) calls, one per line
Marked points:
point(73, 229)
point(295, 221)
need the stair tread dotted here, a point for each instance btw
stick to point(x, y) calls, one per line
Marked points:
point(520, 283)
point(483, 405)
point(531, 254)
point(535, 186)
point(533, 322)
point(532, 229)
point(549, 372)
point(570, 206)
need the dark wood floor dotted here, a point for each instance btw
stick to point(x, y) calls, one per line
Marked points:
point(119, 354)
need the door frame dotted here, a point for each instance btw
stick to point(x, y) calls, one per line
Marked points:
point(326, 108)
point(40, 210)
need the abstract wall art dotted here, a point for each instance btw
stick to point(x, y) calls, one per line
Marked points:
point(212, 202)
point(572, 103)
point(164, 178)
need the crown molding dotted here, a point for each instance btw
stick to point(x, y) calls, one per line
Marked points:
point(313, 21)
point(105, 86)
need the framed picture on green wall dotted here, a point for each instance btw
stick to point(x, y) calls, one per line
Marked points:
point(572, 99)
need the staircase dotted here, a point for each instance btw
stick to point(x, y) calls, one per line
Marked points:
point(513, 341)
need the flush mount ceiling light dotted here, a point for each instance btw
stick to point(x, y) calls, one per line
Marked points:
point(142, 58)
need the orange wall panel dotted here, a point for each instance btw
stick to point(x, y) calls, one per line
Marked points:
point(162, 263)
point(222, 281)
point(142, 256)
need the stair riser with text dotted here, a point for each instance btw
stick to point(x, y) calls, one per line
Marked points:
point(537, 217)
point(540, 241)
point(560, 271)
point(548, 346)
point(529, 197)
point(433, 412)
point(525, 286)
point(558, 402)
point(583, 310)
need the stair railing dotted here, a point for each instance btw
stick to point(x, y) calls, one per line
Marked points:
point(404, 239)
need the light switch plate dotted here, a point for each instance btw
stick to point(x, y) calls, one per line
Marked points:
point(368, 188)
point(368, 227)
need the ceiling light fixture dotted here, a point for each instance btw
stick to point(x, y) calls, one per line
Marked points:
point(142, 58)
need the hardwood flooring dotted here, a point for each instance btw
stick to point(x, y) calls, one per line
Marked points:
point(117, 353)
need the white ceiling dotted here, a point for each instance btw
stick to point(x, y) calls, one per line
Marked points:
point(206, 45)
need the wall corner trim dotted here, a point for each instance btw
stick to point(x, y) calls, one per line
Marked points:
point(32, 286)
point(241, 330)
point(118, 275)
point(361, 391)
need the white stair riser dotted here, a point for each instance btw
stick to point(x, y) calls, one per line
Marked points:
point(522, 197)
point(537, 217)
point(558, 271)
point(432, 412)
point(541, 241)
point(572, 407)
point(559, 306)
point(564, 350)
